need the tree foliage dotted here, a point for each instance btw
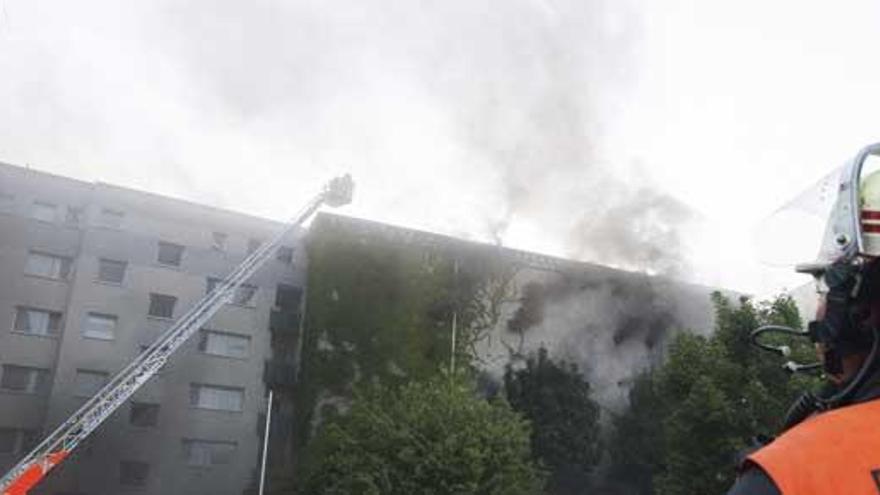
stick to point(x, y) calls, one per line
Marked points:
point(688, 419)
point(565, 429)
point(427, 437)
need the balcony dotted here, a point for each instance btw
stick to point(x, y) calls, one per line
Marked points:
point(284, 322)
point(279, 375)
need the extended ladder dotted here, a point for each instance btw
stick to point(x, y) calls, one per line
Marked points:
point(58, 445)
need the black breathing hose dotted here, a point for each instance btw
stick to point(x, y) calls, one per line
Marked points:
point(809, 403)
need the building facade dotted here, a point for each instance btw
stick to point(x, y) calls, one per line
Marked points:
point(91, 274)
point(392, 304)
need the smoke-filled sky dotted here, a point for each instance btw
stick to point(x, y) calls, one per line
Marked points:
point(642, 134)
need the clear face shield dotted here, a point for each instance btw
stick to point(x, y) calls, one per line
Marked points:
point(829, 215)
point(841, 215)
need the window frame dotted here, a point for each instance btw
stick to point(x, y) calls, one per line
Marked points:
point(101, 262)
point(154, 408)
point(20, 441)
point(106, 316)
point(188, 443)
point(150, 314)
point(173, 245)
point(106, 213)
point(34, 386)
point(195, 401)
point(211, 283)
point(40, 203)
point(64, 273)
point(84, 371)
point(204, 337)
point(58, 316)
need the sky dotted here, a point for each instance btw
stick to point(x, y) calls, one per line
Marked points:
point(648, 135)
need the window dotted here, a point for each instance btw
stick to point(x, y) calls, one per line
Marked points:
point(162, 306)
point(111, 218)
point(8, 441)
point(287, 297)
point(74, 215)
point(284, 254)
point(17, 440)
point(216, 397)
point(7, 202)
point(44, 212)
point(169, 254)
point(224, 344)
point(244, 295)
point(24, 379)
point(133, 473)
point(37, 321)
point(47, 265)
point(99, 326)
point(253, 245)
point(207, 453)
point(111, 271)
point(218, 241)
point(89, 382)
point(143, 414)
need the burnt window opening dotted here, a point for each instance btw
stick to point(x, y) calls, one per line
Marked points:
point(288, 297)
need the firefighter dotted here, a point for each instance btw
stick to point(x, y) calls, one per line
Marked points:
point(830, 443)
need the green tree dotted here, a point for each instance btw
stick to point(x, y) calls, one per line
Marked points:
point(636, 451)
point(429, 437)
point(565, 430)
point(690, 417)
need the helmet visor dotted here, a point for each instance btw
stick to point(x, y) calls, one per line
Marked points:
point(794, 232)
point(829, 216)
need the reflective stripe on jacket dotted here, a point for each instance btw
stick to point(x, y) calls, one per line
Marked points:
point(836, 452)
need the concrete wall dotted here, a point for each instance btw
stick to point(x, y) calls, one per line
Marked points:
point(148, 219)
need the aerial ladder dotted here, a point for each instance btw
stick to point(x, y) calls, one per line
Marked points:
point(53, 449)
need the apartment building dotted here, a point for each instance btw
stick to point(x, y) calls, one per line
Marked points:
point(91, 274)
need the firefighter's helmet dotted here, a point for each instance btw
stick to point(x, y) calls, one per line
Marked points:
point(869, 205)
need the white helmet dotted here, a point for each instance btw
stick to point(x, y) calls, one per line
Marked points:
point(853, 227)
point(869, 203)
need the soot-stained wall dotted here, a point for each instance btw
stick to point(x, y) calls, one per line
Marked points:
point(612, 324)
point(380, 302)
